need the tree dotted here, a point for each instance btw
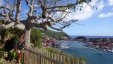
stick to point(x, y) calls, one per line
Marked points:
point(81, 37)
point(40, 13)
point(36, 37)
point(9, 33)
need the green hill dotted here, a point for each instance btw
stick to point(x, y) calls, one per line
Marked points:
point(55, 34)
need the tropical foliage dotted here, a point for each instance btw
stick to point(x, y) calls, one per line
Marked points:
point(55, 34)
point(36, 37)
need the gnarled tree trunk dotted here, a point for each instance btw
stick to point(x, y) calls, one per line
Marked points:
point(27, 37)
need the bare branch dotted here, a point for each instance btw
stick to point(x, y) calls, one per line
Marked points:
point(18, 8)
point(40, 1)
point(51, 18)
point(55, 28)
point(27, 2)
point(32, 3)
point(20, 26)
point(40, 25)
point(57, 20)
point(62, 17)
point(36, 25)
point(30, 13)
point(44, 10)
point(4, 11)
point(3, 7)
point(1, 14)
point(7, 18)
point(7, 11)
point(2, 26)
point(61, 6)
point(64, 25)
point(68, 24)
point(56, 11)
point(43, 25)
point(66, 6)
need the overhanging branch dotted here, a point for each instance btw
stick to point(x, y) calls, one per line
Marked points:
point(20, 26)
point(3, 26)
point(64, 25)
point(1, 14)
point(12, 24)
point(58, 19)
point(61, 6)
point(18, 8)
point(66, 6)
point(30, 13)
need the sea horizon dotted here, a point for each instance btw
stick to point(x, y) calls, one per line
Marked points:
point(90, 36)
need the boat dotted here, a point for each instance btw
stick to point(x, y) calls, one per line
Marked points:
point(64, 46)
point(100, 53)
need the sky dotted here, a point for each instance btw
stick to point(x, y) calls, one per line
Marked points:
point(96, 21)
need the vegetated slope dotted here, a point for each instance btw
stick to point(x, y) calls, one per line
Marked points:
point(55, 34)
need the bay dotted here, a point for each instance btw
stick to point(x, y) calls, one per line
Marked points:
point(92, 56)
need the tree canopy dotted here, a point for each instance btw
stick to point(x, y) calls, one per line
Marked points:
point(44, 14)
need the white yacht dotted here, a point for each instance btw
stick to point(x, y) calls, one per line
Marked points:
point(64, 45)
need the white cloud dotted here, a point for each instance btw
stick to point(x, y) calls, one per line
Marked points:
point(110, 2)
point(109, 14)
point(93, 2)
point(98, 4)
point(85, 13)
point(103, 15)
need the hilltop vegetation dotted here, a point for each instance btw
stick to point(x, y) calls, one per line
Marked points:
point(54, 34)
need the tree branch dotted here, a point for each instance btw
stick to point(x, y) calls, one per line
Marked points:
point(44, 9)
point(64, 25)
point(18, 8)
point(2, 26)
point(68, 24)
point(55, 28)
point(20, 26)
point(56, 20)
point(8, 11)
point(27, 2)
point(7, 18)
point(43, 25)
point(56, 11)
point(51, 18)
point(61, 6)
point(1, 14)
point(66, 6)
point(36, 25)
point(30, 13)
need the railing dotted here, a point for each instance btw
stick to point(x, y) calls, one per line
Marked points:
point(40, 56)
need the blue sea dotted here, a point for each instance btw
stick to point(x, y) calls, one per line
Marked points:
point(92, 56)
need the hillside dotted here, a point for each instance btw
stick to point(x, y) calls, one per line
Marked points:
point(56, 35)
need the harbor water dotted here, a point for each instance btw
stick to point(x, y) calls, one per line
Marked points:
point(92, 56)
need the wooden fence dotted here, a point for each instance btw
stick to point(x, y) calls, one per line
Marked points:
point(40, 56)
